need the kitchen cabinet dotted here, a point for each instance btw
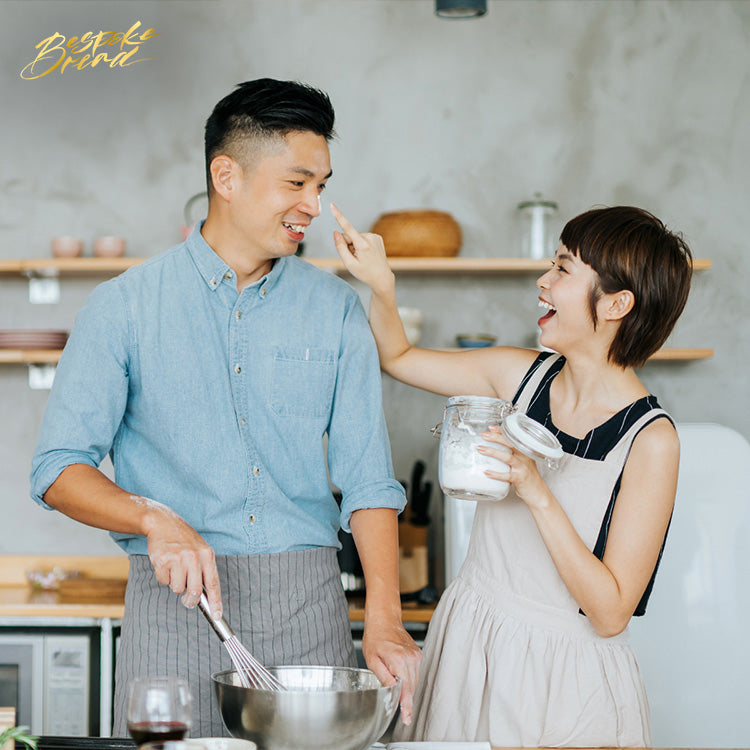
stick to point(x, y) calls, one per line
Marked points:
point(55, 268)
point(36, 615)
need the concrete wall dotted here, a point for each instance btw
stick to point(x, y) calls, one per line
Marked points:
point(589, 102)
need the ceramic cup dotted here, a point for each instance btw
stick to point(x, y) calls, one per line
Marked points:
point(66, 247)
point(109, 247)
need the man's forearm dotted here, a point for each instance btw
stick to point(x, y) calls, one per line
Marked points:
point(182, 560)
point(86, 495)
point(375, 532)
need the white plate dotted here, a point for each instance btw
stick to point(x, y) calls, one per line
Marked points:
point(224, 743)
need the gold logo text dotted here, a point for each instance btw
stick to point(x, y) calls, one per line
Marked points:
point(89, 50)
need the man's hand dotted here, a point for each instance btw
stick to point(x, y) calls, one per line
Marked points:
point(181, 558)
point(390, 652)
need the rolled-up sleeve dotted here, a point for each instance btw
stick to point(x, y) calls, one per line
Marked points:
point(359, 454)
point(89, 392)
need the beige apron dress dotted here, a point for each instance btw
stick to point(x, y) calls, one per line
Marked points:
point(508, 657)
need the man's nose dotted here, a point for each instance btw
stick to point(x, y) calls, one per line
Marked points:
point(310, 202)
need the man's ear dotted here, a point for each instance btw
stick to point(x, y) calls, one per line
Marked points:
point(618, 304)
point(224, 175)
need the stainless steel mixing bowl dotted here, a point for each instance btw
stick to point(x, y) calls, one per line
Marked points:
point(323, 708)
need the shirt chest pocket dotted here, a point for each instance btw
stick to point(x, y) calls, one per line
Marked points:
point(302, 382)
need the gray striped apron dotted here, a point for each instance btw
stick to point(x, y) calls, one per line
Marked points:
point(285, 608)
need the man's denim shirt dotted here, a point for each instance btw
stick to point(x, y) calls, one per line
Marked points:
point(218, 403)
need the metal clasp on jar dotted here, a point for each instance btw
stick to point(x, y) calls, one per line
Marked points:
point(505, 408)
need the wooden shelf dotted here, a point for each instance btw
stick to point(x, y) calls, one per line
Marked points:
point(666, 354)
point(466, 265)
point(67, 266)
point(113, 266)
point(51, 356)
point(29, 356)
point(675, 355)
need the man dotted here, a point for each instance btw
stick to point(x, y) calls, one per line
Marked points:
point(213, 374)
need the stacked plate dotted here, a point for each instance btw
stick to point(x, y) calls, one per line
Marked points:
point(31, 339)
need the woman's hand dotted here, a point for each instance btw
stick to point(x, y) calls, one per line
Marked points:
point(363, 254)
point(522, 472)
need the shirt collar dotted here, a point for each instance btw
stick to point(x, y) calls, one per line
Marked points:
point(213, 269)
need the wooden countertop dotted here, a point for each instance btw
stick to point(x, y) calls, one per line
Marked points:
point(19, 599)
point(23, 601)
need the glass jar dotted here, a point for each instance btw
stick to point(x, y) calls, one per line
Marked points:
point(536, 230)
point(462, 466)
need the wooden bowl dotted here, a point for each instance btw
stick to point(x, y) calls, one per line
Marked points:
point(419, 233)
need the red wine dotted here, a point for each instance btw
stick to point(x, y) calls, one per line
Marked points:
point(157, 731)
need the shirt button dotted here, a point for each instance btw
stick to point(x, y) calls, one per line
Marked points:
point(237, 369)
point(252, 519)
point(242, 420)
point(214, 282)
point(238, 315)
point(227, 275)
point(256, 470)
point(263, 292)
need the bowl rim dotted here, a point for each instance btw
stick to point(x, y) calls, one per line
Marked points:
point(216, 675)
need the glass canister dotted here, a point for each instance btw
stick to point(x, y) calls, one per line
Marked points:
point(462, 466)
point(536, 231)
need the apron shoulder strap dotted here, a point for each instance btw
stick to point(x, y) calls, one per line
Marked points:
point(532, 380)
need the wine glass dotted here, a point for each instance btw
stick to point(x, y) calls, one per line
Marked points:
point(158, 709)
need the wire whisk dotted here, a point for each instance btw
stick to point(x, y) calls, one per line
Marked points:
point(251, 672)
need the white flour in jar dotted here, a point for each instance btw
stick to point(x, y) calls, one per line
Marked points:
point(462, 470)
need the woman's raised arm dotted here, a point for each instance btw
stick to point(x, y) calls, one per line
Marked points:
point(494, 371)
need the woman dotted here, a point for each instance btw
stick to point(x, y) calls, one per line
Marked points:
point(528, 646)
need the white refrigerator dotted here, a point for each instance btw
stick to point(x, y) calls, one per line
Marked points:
point(693, 644)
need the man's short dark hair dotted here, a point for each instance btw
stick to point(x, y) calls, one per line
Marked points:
point(262, 110)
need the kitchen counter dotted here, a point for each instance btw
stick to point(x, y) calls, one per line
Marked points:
point(24, 601)
point(125, 743)
point(19, 599)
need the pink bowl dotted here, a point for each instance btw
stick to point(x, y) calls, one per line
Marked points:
point(66, 247)
point(109, 247)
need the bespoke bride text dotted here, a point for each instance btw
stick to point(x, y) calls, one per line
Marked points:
point(114, 49)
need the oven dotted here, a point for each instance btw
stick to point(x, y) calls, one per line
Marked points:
point(51, 677)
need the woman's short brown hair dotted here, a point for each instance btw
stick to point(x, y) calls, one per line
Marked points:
point(629, 248)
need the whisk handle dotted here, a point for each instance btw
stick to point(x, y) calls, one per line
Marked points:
point(221, 626)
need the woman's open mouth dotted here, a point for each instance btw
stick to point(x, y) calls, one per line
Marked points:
point(550, 311)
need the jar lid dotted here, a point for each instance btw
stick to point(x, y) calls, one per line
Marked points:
point(537, 200)
point(531, 436)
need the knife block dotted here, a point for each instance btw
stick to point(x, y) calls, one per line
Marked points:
point(413, 572)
